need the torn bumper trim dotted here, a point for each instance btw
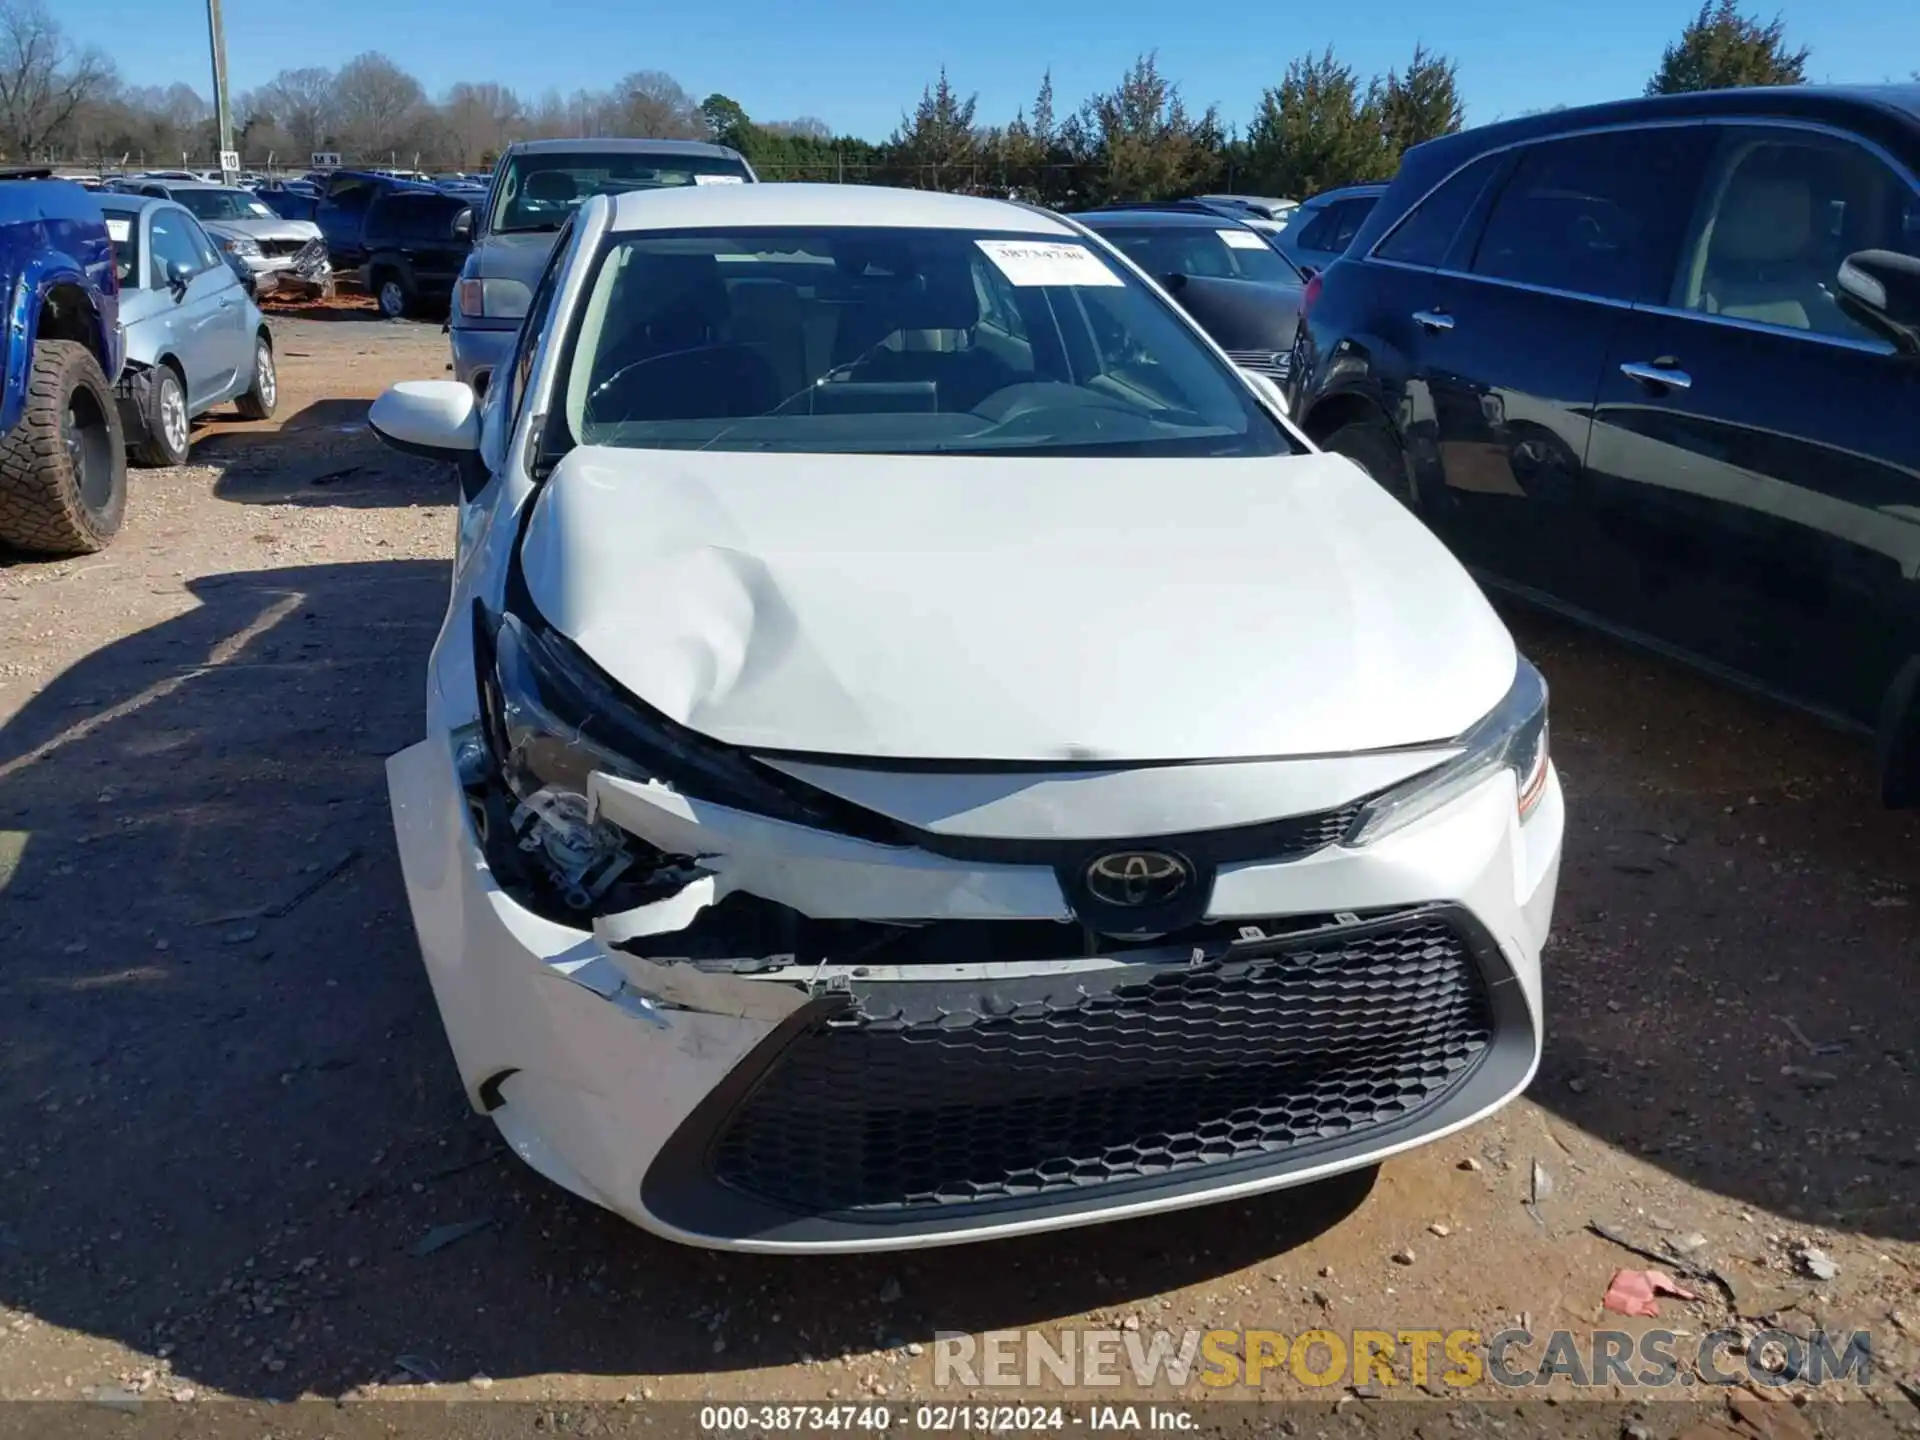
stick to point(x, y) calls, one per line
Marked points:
point(606, 1067)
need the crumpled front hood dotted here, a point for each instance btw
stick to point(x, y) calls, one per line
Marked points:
point(962, 608)
point(301, 230)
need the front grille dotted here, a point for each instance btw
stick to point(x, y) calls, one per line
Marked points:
point(1277, 363)
point(276, 248)
point(927, 1095)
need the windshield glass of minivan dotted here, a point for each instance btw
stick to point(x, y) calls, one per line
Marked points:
point(893, 340)
point(1228, 253)
point(223, 205)
point(541, 189)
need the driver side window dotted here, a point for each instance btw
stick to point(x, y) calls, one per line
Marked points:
point(169, 243)
point(534, 327)
point(1781, 211)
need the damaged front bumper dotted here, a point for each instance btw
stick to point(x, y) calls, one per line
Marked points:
point(823, 1043)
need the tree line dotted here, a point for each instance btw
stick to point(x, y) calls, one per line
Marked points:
point(1323, 124)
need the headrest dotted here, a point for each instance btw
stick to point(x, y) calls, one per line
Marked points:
point(550, 185)
point(1762, 222)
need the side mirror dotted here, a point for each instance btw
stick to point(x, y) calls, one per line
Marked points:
point(463, 225)
point(1174, 283)
point(1269, 387)
point(179, 276)
point(1881, 289)
point(436, 419)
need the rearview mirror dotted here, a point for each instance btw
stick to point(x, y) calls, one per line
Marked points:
point(437, 419)
point(1881, 289)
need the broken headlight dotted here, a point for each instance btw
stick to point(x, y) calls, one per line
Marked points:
point(1513, 735)
point(552, 718)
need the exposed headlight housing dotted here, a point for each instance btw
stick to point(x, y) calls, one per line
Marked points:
point(551, 718)
point(1513, 736)
point(494, 299)
point(241, 245)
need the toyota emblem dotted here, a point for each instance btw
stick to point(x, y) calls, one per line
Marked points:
point(1138, 879)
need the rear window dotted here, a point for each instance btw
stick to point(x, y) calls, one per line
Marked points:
point(1425, 235)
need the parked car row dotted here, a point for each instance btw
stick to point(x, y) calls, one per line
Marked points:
point(1656, 364)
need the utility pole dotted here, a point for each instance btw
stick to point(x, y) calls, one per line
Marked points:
point(222, 114)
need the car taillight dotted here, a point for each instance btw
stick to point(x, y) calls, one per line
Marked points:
point(1310, 294)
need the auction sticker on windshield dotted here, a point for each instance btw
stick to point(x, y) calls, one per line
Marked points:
point(1047, 262)
point(1241, 239)
point(118, 231)
point(719, 179)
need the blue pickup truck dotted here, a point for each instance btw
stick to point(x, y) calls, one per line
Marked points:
point(63, 454)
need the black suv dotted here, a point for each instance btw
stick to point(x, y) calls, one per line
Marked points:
point(1219, 269)
point(416, 241)
point(1657, 364)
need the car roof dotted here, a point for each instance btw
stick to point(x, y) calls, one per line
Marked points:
point(686, 206)
point(131, 204)
point(1348, 192)
point(1899, 104)
point(1170, 216)
point(613, 146)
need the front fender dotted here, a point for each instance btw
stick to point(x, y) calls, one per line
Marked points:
point(42, 256)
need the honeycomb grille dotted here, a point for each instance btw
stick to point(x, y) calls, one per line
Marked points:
point(932, 1095)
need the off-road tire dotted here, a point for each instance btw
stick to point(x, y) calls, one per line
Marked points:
point(155, 448)
point(1372, 447)
point(43, 508)
point(264, 393)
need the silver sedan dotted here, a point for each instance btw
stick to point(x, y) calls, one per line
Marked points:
point(195, 339)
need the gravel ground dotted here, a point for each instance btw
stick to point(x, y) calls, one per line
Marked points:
point(225, 1134)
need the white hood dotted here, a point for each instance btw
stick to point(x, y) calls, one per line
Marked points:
point(963, 608)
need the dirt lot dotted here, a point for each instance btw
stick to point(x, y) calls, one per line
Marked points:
point(229, 1124)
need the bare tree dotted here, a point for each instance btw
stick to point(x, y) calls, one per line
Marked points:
point(651, 103)
point(381, 107)
point(480, 119)
point(43, 80)
point(302, 105)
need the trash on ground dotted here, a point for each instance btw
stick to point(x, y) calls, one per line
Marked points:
point(442, 1236)
point(1632, 1292)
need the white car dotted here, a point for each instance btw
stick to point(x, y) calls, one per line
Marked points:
point(921, 750)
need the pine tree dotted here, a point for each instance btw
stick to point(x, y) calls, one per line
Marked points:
point(1723, 48)
point(1421, 102)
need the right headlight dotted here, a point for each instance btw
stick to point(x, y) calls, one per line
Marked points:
point(1512, 736)
point(494, 299)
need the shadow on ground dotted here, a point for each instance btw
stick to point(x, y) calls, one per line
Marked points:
point(228, 1131)
point(1735, 932)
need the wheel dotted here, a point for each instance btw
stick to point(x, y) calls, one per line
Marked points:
point(63, 468)
point(1371, 446)
point(264, 393)
point(390, 292)
point(169, 436)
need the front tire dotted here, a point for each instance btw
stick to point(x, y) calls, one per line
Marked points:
point(264, 393)
point(63, 468)
point(390, 293)
point(1372, 447)
point(169, 429)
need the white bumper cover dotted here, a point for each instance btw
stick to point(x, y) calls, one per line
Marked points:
point(592, 1060)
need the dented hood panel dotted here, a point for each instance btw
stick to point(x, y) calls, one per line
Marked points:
point(962, 608)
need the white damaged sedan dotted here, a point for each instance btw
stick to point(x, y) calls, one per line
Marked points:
point(920, 749)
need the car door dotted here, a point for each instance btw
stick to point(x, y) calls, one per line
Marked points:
point(1507, 339)
point(230, 333)
point(192, 325)
point(1755, 458)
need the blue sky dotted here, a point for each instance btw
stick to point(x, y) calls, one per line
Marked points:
point(857, 63)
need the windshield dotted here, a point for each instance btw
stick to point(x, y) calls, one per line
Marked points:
point(223, 205)
point(901, 341)
point(1228, 254)
point(540, 190)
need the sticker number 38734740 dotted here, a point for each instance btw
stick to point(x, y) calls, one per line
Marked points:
point(1047, 262)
